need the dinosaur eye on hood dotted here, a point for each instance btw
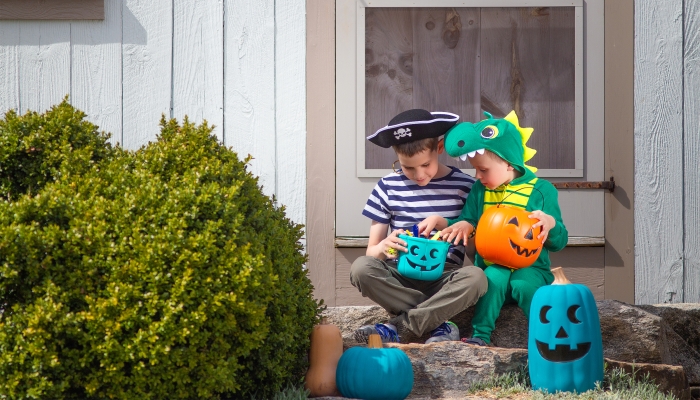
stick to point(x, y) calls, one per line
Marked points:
point(489, 132)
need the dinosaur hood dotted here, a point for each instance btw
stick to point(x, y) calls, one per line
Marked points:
point(505, 137)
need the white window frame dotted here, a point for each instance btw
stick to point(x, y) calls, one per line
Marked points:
point(359, 79)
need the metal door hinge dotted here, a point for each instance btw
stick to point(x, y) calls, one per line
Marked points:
point(609, 185)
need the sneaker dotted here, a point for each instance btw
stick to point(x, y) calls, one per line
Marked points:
point(446, 331)
point(387, 332)
point(475, 341)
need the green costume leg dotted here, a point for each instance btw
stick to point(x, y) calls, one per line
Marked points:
point(489, 306)
point(524, 283)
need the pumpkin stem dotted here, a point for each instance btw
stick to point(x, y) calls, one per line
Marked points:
point(559, 277)
point(375, 341)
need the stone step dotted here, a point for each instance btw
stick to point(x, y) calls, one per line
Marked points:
point(630, 333)
point(661, 340)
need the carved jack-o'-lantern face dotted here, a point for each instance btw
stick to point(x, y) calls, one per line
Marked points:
point(423, 258)
point(504, 236)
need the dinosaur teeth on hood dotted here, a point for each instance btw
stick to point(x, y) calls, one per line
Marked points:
point(463, 157)
point(471, 154)
point(480, 151)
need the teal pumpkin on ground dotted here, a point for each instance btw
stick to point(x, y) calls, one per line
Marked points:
point(424, 260)
point(565, 346)
point(374, 373)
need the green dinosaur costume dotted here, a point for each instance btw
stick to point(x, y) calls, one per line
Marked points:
point(507, 139)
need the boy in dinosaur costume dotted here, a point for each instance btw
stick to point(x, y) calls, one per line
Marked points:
point(497, 149)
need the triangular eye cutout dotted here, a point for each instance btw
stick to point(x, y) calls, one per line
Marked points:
point(514, 221)
point(528, 235)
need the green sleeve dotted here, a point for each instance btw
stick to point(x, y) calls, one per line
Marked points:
point(471, 212)
point(548, 202)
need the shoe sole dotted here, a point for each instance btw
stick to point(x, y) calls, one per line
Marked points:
point(362, 336)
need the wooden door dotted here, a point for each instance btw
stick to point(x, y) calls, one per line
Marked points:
point(468, 60)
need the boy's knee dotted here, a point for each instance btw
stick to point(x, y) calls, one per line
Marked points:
point(361, 269)
point(521, 290)
point(472, 277)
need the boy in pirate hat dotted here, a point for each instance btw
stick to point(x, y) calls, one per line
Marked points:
point(420, 186)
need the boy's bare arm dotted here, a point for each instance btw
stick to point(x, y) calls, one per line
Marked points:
point(380, 241)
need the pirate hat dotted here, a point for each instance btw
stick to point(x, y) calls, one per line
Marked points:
point(412, 125)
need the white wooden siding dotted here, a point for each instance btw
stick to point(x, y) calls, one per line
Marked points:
point(198, 62)
point(691, 126)
point(660, 182)
point(239, 64)
point(96, 69)
point(44, 64)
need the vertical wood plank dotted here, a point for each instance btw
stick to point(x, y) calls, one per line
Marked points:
point(249, 95)
point(9, 66)
point(147, 31)
point(320, 142)
point(446, 67)
point(96, 65)
point(658, 144)
point(290, 107)
point(619, 149)
point(691, 126)
point(198, 64)
point(44, 64)
point(389, 56)
point(514, 42)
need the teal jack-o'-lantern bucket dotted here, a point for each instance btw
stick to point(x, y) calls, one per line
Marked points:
point(565, 346)
point(424, 260)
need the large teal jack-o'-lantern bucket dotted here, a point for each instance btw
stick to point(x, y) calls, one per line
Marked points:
point(424, 260)
point(565, 346)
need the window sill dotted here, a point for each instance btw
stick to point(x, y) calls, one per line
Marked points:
point(574, 241)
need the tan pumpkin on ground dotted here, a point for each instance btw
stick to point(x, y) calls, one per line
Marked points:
point(326, 350)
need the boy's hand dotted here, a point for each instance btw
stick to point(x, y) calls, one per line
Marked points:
point(458, 232)
point(392, 244)
point(429, 224)
point(546, 221)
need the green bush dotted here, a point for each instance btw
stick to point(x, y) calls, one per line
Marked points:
point(37, 148)
point(160, 273)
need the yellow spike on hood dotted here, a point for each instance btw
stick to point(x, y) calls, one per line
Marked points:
point(528, 153)
point(525, 134)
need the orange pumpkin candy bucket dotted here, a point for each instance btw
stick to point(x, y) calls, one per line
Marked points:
point(504, 236)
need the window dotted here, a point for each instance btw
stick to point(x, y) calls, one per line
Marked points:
point(467, 60)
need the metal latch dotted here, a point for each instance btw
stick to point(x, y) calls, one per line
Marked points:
point(610, 185)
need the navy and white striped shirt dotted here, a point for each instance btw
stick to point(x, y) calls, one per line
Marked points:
point(401, 203)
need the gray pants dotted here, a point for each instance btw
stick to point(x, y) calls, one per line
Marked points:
point(420, 306)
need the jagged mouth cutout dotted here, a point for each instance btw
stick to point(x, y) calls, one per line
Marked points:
point(422, 267)
point(562, 352)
